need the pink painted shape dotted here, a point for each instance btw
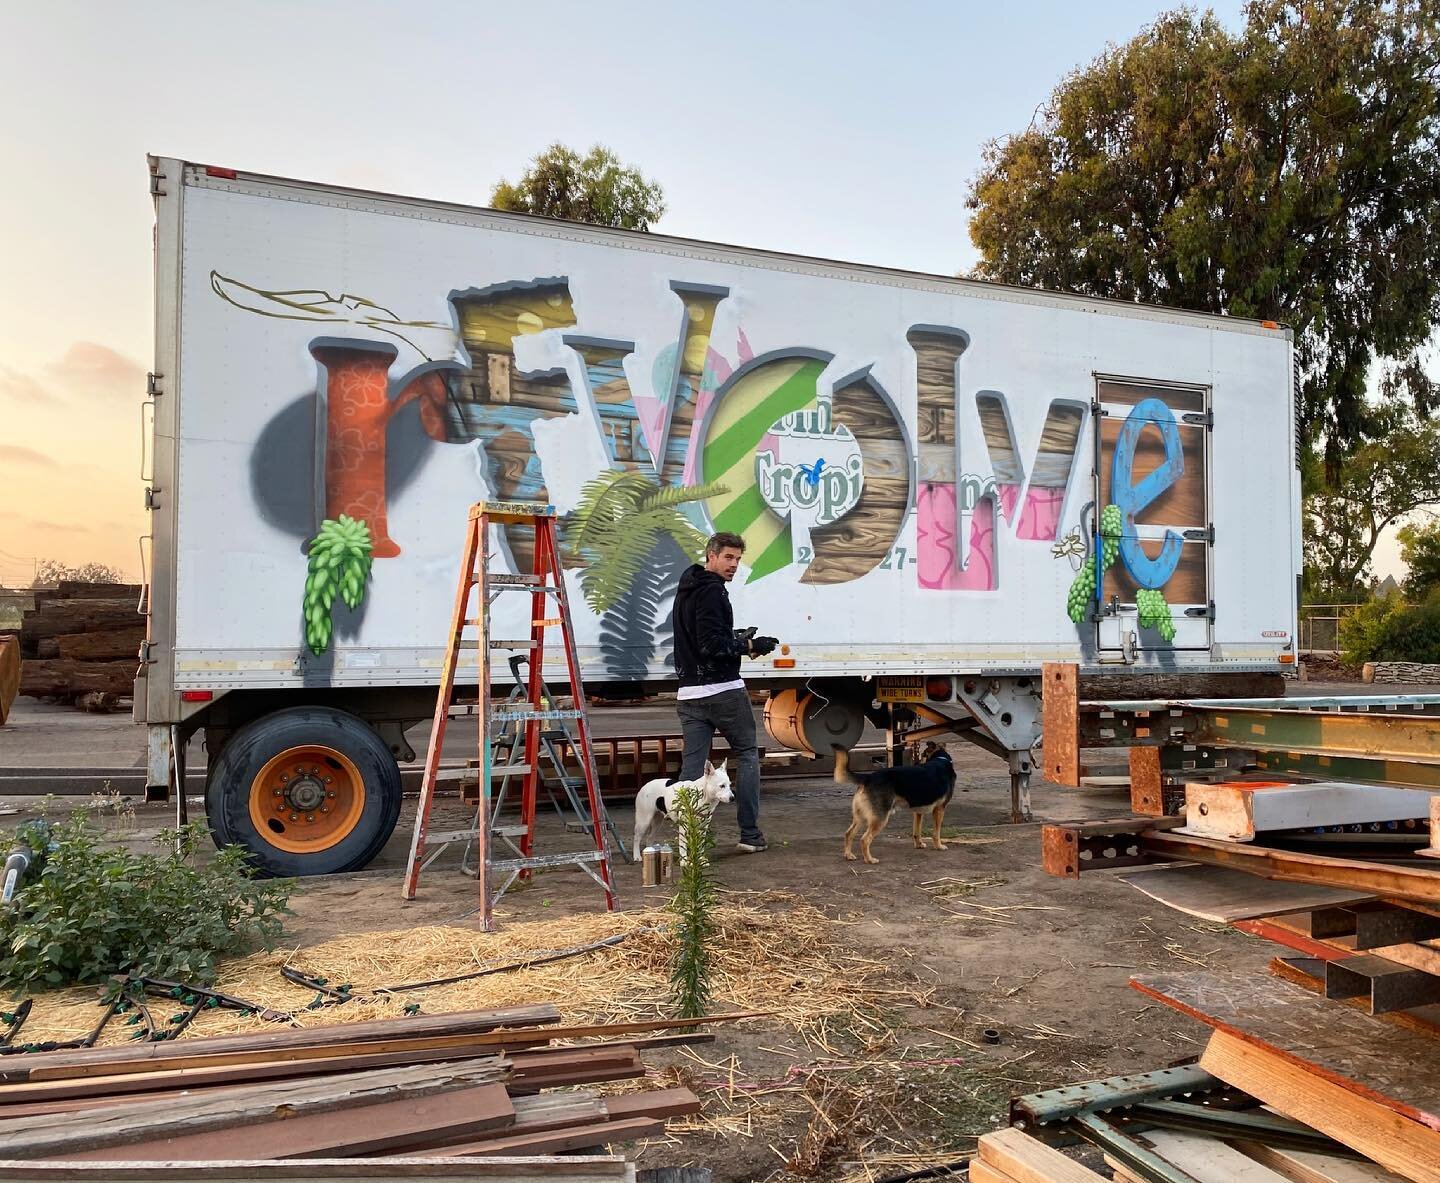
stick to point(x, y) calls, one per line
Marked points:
point(1009, 495)
point(650, 412)
point(742, 346)
point(938, 566)
point(1040, 519)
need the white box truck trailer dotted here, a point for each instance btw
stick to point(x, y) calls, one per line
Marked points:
point(941, 484)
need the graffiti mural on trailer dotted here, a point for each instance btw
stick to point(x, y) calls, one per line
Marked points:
point(817, 476)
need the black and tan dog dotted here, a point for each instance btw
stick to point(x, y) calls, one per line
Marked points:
point(925, 787)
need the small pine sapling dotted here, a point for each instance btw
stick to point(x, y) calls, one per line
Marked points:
point(693, 904)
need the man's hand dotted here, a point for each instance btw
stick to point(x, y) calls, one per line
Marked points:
point(759, 646)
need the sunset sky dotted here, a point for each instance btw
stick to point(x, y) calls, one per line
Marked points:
point(834, 129)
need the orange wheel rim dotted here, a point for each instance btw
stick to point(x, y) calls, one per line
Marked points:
point(307, 799)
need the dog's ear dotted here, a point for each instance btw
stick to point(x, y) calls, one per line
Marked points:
point(709, 768)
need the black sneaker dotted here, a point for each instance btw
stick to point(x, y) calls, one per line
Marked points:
point(757, 846)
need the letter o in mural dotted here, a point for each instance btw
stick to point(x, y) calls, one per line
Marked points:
point(758, 394)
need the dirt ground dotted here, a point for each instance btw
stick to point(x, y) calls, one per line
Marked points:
point(979, 939)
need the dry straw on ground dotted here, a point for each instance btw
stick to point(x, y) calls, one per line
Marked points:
point(774, 952)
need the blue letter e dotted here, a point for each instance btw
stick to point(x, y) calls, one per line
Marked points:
point(1132, 498)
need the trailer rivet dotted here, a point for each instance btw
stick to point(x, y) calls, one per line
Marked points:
point(284, 777)
point(330, 796)
point(309, 817)
point(294, 817)
point(279, 792)
point(328, 779)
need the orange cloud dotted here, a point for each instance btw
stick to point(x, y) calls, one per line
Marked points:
point(87, 369)
point(14, 453)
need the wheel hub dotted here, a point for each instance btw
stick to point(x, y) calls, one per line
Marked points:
point(305, 793)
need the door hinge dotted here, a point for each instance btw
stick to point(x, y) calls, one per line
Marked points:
point(157, 185)
point(152, 384)
point(152, 498)
point(147, 652)
point(1205, 613)
point(1205, 534)
point(1203, 419)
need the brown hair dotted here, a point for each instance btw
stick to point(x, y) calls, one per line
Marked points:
point(719, 542)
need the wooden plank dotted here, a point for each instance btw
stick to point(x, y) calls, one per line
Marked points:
point(531, 1116)
point(9, 674)
point(982, 1172)
point(1147, 789)
point(122, 1087)
point(1237, 811)
point(1356, 1052)
point(1416, 885)
point(258, 1046)
point(1060, 721)
point(1304, 1166)
point(1308, 974)
point(678, 1102)
point(1224, 895)
point(1028, 1160)
point(353, 1130)
point(56, 1136)
point(559, 1141)
point(1207, 1160)
point(504, 1168)
point(1374, 1129)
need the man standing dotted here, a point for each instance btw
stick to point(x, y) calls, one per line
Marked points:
point(712, 697)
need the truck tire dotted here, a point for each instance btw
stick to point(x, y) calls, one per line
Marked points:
point(307, 791)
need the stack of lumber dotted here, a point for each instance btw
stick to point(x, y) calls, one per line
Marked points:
point(80, 643)
point(491, 1085)
point(1329, 1068)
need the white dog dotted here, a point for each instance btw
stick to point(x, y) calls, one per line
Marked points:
point(657, 800)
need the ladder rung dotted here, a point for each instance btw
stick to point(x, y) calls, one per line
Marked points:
point(502, 716)
point(512, 644)
point(549, 860)
point(448, 836)
point(509, 831)
point(514, 580)
point(509, 769)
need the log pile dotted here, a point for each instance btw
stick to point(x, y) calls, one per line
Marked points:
point(1326, 1071)
point(469, 1095)
point(80, 644)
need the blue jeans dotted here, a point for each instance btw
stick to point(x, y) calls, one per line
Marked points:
point(730, 714)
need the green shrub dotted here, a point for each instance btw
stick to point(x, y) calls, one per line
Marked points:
point(97, 910)
point(1390, 630)
point(1361, 630)
point(1412, 634)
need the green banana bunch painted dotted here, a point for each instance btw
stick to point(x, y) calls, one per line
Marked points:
point(1082, 588)
point(1155, 612)
point(339, 565)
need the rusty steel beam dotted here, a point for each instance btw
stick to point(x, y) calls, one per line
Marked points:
point(1381, 739)
point(1059, 721)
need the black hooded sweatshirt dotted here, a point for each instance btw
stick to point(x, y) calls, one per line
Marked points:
point(706, 650)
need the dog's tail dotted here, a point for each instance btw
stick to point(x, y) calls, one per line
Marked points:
point(843, 775)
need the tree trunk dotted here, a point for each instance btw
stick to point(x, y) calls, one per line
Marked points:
point(61, 617)
point(68, 679)
point(109, 644)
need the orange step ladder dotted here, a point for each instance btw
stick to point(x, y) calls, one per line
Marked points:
point(547, 581)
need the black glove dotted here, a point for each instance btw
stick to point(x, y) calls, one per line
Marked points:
point(759, 646)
